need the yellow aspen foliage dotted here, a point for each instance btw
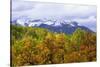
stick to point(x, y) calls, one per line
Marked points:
point(33, 46)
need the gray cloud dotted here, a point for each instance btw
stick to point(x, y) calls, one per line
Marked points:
point(35, 9)
point(85, 15)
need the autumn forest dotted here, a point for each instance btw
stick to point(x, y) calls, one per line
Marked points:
point(36, 46)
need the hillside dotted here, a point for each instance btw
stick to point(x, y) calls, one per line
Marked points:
point(34, 46)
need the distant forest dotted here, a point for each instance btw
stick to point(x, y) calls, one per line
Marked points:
point(35, 46)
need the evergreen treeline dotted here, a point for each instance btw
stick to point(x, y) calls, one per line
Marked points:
point(33, 46)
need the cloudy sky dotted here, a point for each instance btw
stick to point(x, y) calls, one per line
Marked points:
point(83, 14)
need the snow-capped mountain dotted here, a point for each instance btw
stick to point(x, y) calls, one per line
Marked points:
point(37, 22)
point(57, 25)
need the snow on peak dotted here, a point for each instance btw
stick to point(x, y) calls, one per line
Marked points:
point(49, 22)
point(21, 22)
point(35, 24)
point(72, 25)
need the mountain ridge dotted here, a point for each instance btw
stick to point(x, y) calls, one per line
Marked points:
point(63, 26)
